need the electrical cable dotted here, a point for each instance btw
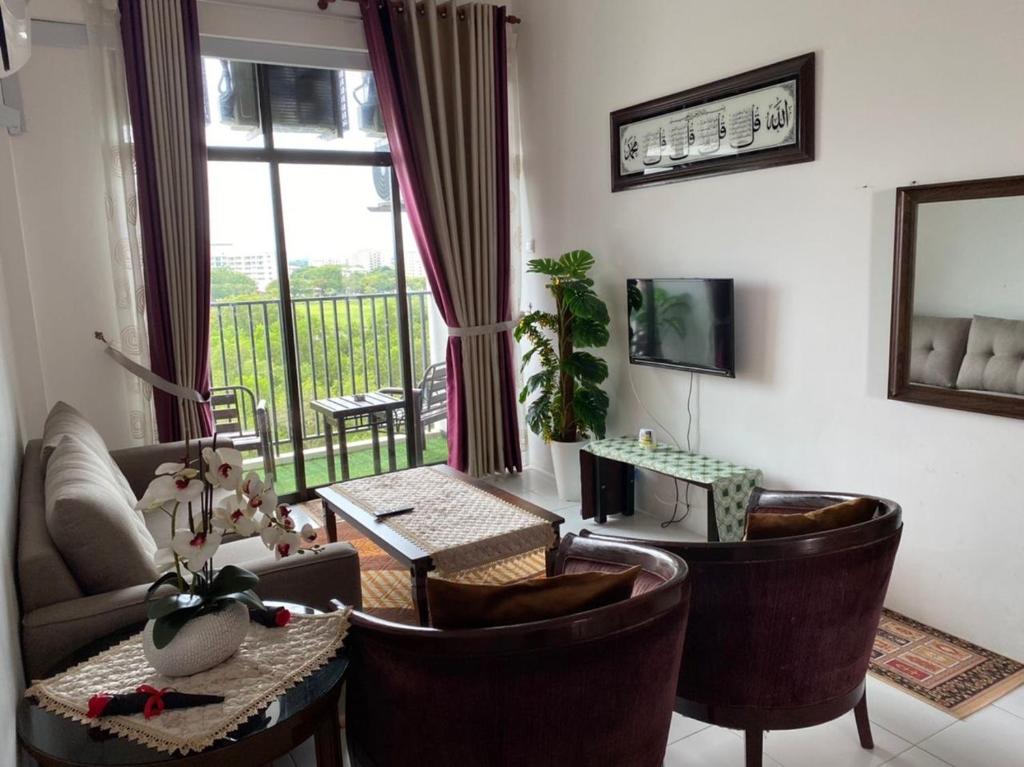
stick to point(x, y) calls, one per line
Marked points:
point(689, 422)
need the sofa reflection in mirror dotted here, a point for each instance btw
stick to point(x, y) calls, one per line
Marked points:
point(958, 301)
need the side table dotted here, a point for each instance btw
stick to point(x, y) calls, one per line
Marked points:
point(309, 709)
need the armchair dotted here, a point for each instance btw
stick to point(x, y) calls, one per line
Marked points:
point(501, 696)
point(781, 630)
point(58, 616)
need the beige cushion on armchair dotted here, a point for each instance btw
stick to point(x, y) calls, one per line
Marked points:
point(102, 538)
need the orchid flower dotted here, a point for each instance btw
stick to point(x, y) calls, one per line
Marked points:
point(308, 533)
point(195, 549)
point(269, 531)
point(235, 515)
point(261, 494)
point(223, 467)
point(287, 543)
point(174, 482)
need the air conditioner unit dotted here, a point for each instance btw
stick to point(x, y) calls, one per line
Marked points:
point(15, 36)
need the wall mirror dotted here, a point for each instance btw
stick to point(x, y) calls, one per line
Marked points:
point(957, 336)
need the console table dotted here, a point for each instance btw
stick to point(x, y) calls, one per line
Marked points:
point(608, 469)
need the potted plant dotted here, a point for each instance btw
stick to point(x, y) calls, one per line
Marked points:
point(205, 620)
point(568, 405)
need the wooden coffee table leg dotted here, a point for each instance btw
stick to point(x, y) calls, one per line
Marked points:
point(419, 594)
point(327, 739)
point(330, 521)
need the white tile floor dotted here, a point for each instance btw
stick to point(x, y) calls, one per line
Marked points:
point(908, 732)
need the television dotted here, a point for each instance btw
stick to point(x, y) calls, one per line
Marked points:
point(683, 323)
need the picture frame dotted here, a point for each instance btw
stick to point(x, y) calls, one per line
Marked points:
point(758, 119)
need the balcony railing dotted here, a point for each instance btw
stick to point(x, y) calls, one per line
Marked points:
point(345, 345)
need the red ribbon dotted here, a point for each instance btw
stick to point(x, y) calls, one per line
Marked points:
point(155, 704)
point(97, 704)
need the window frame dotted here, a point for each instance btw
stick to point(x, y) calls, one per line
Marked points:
point(274, 157)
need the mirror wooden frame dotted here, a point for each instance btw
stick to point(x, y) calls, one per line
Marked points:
point(900, 386)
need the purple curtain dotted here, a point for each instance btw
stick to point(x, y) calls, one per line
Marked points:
point(163, 68)
point(441, 78)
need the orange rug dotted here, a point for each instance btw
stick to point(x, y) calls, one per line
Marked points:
point(948, 672)
point(387, 590)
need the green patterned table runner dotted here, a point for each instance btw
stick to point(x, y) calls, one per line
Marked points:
point(731, 485)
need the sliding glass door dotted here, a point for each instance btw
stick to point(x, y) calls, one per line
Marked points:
point(319, 294)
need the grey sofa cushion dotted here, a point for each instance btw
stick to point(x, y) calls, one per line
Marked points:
point(97, 532)
point(64, 420)
point(937, 346)
point(995, 356)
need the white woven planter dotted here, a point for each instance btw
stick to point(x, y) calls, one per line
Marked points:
point(565, 457)
point(201, 643)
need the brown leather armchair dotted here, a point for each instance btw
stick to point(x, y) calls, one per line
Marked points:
point(594, 688)
point(781, 631)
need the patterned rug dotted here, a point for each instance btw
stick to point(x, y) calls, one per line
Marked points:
point(948, 672)
point(951, 674)
point(387, 591)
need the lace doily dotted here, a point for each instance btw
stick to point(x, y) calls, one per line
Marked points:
point(269, 662)
point(461, 526)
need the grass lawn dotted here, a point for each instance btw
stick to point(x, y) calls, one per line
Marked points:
point(360, 463)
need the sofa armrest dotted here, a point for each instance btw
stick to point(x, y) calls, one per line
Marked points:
point(139, 463)
point(312, 578)
point(58, 630)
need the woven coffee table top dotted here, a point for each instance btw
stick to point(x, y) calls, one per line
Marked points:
point(459, 525)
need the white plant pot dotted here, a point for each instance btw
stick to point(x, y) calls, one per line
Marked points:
point(566, 459)
point(201, 643)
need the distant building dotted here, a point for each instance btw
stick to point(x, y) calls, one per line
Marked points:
point(259, 265)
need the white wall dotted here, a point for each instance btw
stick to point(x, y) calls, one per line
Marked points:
point(10, 466)
point(970, 258)
point(915, 90)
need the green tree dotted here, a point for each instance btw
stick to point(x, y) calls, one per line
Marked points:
point(227, 283)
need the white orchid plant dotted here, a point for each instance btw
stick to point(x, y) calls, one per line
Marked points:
point(187, 492)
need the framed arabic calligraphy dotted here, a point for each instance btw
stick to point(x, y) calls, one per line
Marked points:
point(758, 119)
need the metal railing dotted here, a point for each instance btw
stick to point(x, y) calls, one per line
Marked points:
point(345, 345)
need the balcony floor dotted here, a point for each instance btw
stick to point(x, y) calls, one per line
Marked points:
point(360, 463)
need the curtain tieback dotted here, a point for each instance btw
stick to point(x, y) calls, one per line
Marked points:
point(482, 330)
point(147, 375)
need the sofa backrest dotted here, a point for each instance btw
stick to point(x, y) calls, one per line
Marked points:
point(43, 576)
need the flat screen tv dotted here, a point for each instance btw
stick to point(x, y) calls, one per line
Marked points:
point(683, 323)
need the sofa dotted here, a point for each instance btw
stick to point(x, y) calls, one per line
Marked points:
point(981, 354)
point(64, 598)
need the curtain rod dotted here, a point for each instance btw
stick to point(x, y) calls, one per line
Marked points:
point(323, 4)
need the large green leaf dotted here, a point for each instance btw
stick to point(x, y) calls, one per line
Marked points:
point(172, 603)
point(546, 266)
point(232, 578)
point(583, 302)
point(575, 263)
point(538, 416)
point(634, 298)
point(591, 407)
point(167, 627)
point(586, 332)
point(585, 367)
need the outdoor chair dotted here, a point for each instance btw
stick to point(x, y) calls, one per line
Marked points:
point(232, 407)
point(430, 399)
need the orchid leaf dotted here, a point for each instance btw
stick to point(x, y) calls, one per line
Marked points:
point(172, 603)
point(166, 627)
point(230, 579)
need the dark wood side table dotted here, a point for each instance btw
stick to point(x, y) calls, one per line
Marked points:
point(309, 709)
point(373, 406)
point(405, 551)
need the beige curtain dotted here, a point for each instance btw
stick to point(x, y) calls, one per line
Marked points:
point(441, 73)
point(110, 103)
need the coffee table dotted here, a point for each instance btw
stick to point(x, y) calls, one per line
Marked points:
point(310, 708)
point(418, 561)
